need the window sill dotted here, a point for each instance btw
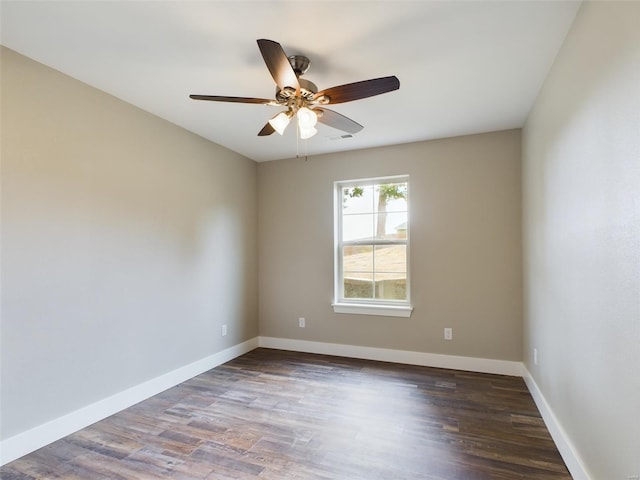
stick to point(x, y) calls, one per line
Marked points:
point(370, 309)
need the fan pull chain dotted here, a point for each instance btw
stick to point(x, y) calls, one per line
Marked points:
point(306, 157)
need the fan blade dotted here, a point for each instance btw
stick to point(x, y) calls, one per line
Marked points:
point(358, 90)
point(278, 64)
point(336, 120)
point(215, 98)
point(266, 130)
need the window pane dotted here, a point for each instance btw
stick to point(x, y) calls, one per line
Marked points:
point(358, 259)
point(393, 195)
point(391, 225)
point(391, 208)
point(357, 288)
point(358, 200)
point(395, 289)
point(357, 227)
point(390, 272)
point(390, 259)
point(375, 272)
point(357, 265)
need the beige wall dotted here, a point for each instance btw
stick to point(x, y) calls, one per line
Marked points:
point(126, 243)
point(465, 251)
point(581, 170)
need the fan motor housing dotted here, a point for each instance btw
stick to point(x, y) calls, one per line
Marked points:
point(307, 91)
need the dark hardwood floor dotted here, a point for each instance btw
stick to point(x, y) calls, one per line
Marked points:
point(280, 415)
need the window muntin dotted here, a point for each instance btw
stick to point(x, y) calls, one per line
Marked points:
point(372, 241)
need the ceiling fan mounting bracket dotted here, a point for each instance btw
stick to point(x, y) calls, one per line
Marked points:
point(299, 63)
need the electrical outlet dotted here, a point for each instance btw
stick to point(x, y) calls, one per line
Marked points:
point(535, 356)
point(224, 330)
point(301, 322)
point(448, 333)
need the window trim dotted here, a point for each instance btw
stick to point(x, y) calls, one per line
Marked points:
point(373, 309)
point(389, 308)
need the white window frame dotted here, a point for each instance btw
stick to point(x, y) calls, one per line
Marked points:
point(381, 307)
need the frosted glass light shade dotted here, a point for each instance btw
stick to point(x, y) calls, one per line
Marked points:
point(280, 122)
point(307, 132)
point(306, 118)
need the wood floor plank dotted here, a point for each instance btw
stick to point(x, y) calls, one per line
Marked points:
point(272, 414)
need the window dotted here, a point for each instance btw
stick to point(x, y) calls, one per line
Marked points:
point(372, 246)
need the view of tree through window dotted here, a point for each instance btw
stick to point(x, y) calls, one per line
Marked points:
point(373, 241)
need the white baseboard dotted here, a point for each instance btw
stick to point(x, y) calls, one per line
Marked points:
point(484, 365)
point(31, 440)
point(563, 443)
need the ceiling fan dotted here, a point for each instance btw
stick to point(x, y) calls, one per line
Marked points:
point(301, 97)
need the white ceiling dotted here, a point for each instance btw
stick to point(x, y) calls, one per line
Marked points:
point(464, 67)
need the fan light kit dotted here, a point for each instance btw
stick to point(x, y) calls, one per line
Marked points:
point(302, 98)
